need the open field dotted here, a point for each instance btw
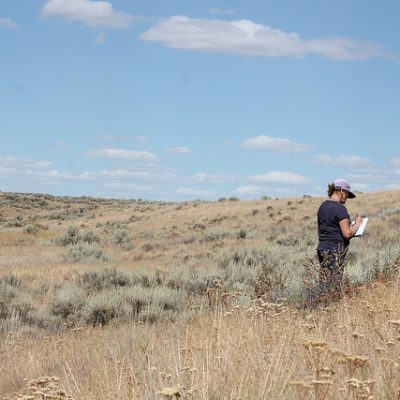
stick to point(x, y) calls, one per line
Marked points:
point(112, 299)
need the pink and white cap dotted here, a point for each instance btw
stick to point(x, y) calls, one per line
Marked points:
point(344, 185)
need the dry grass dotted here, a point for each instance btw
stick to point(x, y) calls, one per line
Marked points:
point(255, 349)
point(349, 350)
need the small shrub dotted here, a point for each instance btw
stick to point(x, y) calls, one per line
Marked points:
point(123, 239)
point(85, 252)
point(151, 314)
point(15, 223)
point(11, 280)
point(104, 307)
point(67, 301)
point(31, 229)
point(213, 236)
point(241, 234)
point(108, 278)
point(72, 237)
point(148, 247)
point(90, 237)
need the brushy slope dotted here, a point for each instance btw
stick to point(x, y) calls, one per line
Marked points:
point(135, 299)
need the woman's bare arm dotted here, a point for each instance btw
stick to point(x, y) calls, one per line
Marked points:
point(348, 231)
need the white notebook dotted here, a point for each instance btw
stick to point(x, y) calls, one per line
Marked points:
point(361, 228)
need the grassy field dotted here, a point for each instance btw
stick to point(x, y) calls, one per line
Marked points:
point(108, 299)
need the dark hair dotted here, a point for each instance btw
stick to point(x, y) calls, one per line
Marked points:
point(331, 189)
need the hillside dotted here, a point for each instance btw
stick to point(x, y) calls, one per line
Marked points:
point(94, 282)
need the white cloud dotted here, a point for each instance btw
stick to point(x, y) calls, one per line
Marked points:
point(61, 143)
point(216, 11)
point(141, 138)
point(356, 162)
point(23, 163)
point(35, 171)
point(139, 175)
point(245, 37)
point(178, 150)
point(8, 23)
point(392, 186)
point(279, 177)
point(395, 162)
point(194, 192)
point(112, 138)
point(100, 38)
point(91, 13)
point(362, 187)
point(271, 143)
point(203, 177)
point(122, 154)
point(6, 171)
point(248, 190)
point(131, 186)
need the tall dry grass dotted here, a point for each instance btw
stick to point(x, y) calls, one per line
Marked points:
point(349, 350)
point(220, 271)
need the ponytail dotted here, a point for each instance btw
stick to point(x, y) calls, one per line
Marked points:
point(331, 189)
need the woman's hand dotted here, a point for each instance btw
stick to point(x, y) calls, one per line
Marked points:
point(348, 231)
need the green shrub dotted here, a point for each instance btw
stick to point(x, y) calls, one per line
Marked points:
point(72, 237)
point(105, 279)
point(104, 307)
point(123, 239)
point(15, 223)
point(67, 301)
point(7, 294)
point(11, 280)
point(167, 299)
point(31, 229)
point(152, 313)
point(214, 236)
point(85, 252)
point(90, 237)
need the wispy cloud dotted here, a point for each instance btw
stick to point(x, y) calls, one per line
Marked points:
point(121, 138)
point(395, 162)
point(203, 177)
point(138, 175)
point(178, 150)
point(219, 11)
point(112, 138)
point(122, 154)
point(355, 162)
point(99, 14)
point(194, 192)
point(272, 143)
point(23, 163)
point(127, 186)
point(8, 23)
point(22, 168)
point(245, 37)
point(248, 190)
point(280, 177)
point(100, 38)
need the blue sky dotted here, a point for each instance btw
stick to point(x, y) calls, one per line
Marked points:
point(181, 100)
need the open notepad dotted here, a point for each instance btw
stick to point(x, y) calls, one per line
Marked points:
point(361, 228)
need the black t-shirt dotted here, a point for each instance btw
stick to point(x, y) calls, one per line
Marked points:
point(330, 213)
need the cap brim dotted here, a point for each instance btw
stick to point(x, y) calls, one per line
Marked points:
point(351, 195)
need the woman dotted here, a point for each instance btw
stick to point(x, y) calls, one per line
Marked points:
point(334, 233)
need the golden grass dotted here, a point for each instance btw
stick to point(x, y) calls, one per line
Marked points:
point(348, 349)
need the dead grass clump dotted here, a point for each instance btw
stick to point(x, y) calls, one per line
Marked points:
point(44, 388)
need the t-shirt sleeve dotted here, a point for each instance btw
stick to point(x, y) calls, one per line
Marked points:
point(341, 213)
